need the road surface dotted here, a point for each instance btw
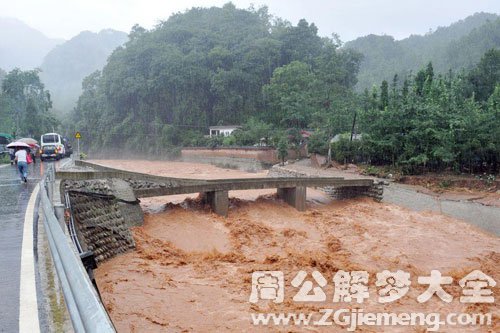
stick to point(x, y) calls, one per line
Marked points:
point(14, 197)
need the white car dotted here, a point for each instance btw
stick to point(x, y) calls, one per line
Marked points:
point(51, 146)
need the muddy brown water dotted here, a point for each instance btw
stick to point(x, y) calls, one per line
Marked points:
point(191, 270)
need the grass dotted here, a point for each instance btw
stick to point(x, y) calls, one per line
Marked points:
point(56, 305)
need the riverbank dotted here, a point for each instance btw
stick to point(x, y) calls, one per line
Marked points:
point(480, 208)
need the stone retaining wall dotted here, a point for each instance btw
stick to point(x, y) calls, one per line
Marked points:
point(376, 191)
point(281, 171)
point(103, 211)
point(246, 158)
point(100, 226)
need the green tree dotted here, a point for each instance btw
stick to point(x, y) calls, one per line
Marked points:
point(282, 149)
point(289, 95)
point(432, 124)
point(384, 95)
point(27, 103)
point(486, 75)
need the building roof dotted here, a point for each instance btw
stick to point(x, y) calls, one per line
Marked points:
point(355, 137)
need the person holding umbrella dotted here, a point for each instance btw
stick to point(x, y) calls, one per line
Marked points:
point(22, 163)
point(34, 147)
point(21, 157)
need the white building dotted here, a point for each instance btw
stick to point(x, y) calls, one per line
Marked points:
point(355, 137)
point(222, 130)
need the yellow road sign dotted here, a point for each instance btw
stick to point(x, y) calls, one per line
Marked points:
point(78, 135)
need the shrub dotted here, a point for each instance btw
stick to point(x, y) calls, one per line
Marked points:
point(347, 151)
point(283, 149)
point(318, 143)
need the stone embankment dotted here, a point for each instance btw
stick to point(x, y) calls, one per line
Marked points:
point(376, 191)
point(103, 211)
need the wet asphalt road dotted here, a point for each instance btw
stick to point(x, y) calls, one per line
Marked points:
point(14, 197)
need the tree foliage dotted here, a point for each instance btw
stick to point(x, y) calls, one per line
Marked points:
point(229, 66)
point(439, 122)
point(214, 66)
point(25, 104)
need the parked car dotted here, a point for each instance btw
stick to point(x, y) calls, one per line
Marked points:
point(67, 147)
point(52, 146)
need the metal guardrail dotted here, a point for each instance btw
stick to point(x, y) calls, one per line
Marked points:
point(85, 309)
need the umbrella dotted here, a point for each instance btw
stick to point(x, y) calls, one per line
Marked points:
point(17, 144)
point(29, 141)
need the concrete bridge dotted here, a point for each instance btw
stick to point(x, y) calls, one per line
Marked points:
point(104, 201)
point(291, 189)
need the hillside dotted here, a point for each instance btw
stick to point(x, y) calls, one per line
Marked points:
point(64, 68)
point(215, 66)
point(457, 46)
point(22, 46)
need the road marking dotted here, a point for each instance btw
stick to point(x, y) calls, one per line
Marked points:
point(28, 306)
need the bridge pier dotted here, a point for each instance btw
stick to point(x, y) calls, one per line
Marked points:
point(294, 196)
point(219, 201)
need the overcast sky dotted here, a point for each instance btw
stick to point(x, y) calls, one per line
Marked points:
point(348, 18)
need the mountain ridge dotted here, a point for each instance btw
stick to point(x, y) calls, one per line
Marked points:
point(446, 47)
point(22, 46)
point(65, 66)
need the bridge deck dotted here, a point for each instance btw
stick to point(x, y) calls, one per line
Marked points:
point(252, 183)
point(291, 189)
point(171, 185)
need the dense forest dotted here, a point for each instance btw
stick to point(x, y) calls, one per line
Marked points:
point(429, 122)
point(228, 66)
point(212, 67)
point(460, 45)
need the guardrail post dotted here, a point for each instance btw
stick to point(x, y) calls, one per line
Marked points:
point(59, 211)
point(50, 190)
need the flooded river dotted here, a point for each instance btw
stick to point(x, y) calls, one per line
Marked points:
point(192, 269)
